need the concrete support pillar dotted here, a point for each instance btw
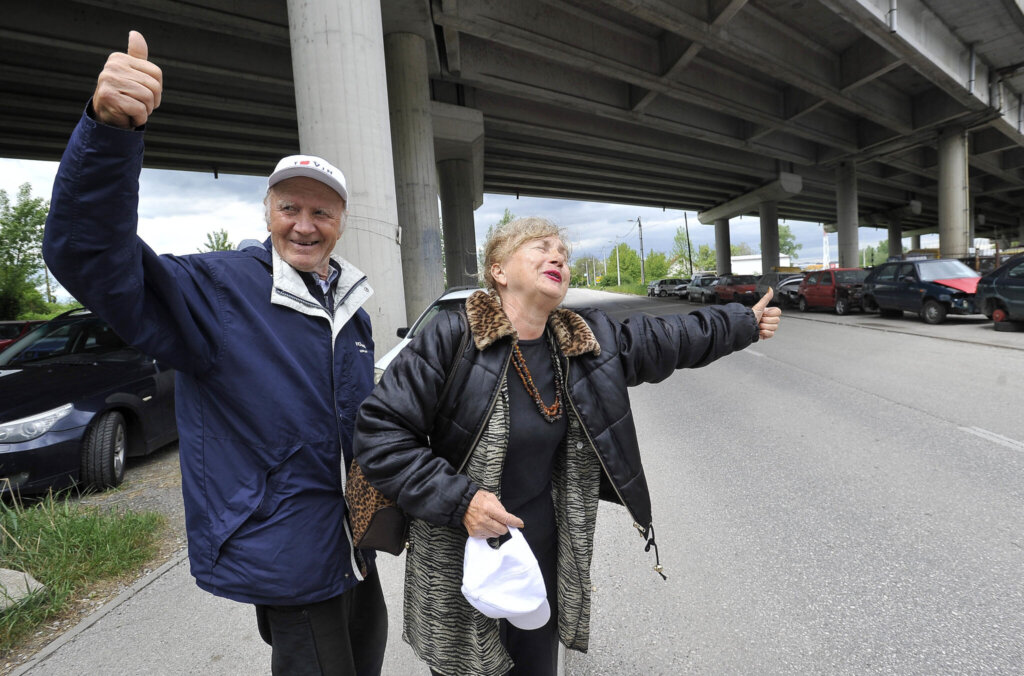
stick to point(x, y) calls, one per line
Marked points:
point(723, 247)
point(455, 179)
point(412, 139)
point(846, 214)
point(915, 242)
point(337, 49)
point(895, 236)
point(954, 215)
point(769, 236)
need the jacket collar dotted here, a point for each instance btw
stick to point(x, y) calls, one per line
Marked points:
point(488, 323)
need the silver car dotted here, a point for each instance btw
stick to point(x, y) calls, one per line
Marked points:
point(699, 289)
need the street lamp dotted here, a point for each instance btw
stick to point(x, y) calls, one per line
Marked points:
point(618, 274)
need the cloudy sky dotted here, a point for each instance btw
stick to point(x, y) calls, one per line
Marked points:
point(177, 209)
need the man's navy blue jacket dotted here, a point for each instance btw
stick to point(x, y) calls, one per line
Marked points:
point(268, 380)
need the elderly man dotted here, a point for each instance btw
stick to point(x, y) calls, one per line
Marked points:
point(274, 355)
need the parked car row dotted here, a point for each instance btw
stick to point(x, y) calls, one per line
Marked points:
point(932, 288)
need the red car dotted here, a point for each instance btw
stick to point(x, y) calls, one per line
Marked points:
point(10, 331)
point(736, 288)
point(838, 288)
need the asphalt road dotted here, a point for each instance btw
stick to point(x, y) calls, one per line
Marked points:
point(841, 499)
point(846, 498)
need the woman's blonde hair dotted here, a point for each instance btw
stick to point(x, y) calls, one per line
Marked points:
point(507, 237)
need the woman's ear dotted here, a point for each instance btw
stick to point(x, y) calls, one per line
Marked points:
point(498, 274)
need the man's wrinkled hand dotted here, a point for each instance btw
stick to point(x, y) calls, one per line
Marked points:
point(486, 518)
point(128, 89)
point(767, 318)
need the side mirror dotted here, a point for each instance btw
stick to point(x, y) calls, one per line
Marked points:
point(402, 331)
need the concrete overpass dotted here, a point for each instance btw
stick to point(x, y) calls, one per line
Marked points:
point(902, 112)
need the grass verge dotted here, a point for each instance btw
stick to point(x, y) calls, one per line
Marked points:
point(67, 547)
point(635, 289)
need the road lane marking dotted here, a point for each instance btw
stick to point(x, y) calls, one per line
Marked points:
point(755, 352)
point(993, 437)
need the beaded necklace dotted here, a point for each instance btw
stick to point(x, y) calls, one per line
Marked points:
point(554, 411)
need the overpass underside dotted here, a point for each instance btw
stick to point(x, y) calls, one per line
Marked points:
point(687, 104)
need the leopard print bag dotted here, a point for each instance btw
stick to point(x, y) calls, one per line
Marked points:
point(377, 522)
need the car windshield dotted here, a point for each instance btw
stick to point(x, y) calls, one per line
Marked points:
point(850, 276)
point(78, 339)
point(933, 270)
point(706, 281)
point(433, 311)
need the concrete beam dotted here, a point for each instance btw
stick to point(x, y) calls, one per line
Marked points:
point(459, 135)
point(784, 187)
point(412, 140)
point(755, 38)
point(356, 137)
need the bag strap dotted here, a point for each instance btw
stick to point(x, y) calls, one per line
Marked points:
point(457, 361)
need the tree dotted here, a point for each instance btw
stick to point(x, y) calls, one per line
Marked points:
point(656, 265)
point(682, 250)
point(21, 255)
point(705, 258)
point(787, 243)
point(507, 217)
point(217, 241)
point(628, 266)
point(585, 270)
point(741, 249)
point(874, 255)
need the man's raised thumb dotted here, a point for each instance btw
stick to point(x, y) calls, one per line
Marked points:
point(765, 299)
point(137, 45)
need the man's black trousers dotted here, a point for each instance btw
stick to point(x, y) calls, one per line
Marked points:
point(342, 636)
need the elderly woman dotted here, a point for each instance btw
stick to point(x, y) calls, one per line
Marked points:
point(529, 425)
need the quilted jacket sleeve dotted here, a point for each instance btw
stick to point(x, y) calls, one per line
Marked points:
point(392, 442)
point(165, 305)
point(650, 348)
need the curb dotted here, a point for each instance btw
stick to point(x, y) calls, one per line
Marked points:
point(96, 616)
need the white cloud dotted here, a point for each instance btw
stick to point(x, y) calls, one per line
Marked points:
point(178, 208)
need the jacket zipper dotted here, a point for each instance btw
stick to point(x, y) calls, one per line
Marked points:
point(490, 410)
point(593, 446)
point(300, 299)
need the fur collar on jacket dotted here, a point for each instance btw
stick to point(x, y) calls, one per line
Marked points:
point(489, 323)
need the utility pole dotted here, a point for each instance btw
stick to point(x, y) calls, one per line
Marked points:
point(640, 227)
point(689, 249)
point(618, 274)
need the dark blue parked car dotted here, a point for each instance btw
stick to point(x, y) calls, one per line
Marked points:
point(1000, 293)
point(929, 288)
point(75, 400)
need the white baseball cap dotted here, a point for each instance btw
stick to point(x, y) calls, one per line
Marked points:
point(505, 583)
point(310, 166)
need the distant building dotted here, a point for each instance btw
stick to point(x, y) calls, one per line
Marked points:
point(751, 265)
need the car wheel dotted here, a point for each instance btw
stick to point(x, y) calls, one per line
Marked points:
point(662, 293)
point(999, 315)
point(933, 312)
point(104, 451)
point(802, 304)
point(842, 306)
